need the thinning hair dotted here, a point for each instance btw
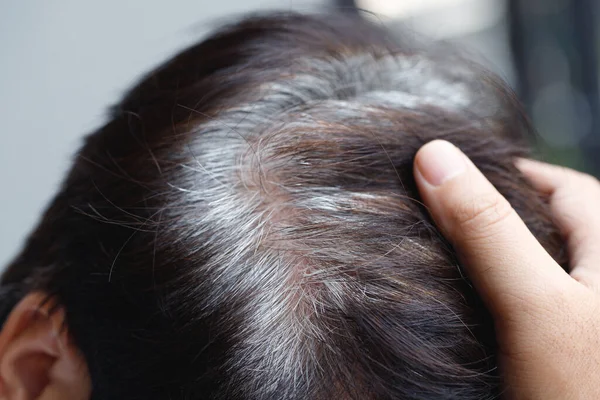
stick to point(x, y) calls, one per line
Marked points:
point(246, 224)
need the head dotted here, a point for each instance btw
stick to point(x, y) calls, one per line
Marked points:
point(246, 226)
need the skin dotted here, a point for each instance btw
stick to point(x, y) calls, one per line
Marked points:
point(547, 321)
point(38, 360)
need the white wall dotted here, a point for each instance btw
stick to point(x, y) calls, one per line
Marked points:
point(62, 62)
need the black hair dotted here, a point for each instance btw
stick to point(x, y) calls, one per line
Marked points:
point(246, 225)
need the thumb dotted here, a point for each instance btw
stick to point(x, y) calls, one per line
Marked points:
point(503, 259)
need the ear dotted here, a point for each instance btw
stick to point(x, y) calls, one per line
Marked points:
point(37, 358)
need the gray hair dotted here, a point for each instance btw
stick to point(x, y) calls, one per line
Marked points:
point(246, 226)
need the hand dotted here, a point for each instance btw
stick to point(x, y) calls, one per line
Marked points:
point(547, 321)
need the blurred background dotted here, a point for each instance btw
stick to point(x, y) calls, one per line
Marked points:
point(64, 61)
point(546, 49)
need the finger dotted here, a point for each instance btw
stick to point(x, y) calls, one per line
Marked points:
point(547, 177)
point(502, 257)
point(574, 199)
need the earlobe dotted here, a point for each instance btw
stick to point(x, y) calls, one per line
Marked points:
point(37, 359)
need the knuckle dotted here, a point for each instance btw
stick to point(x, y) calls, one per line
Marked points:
point(479, 216)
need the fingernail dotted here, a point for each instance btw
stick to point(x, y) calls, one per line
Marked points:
point(439, 161)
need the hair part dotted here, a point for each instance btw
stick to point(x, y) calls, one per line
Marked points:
point(246, 224)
